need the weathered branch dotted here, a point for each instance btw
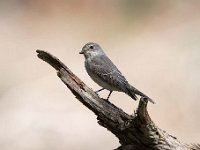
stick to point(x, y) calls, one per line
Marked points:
point(133, 131)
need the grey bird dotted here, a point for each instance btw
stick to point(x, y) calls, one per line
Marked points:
point(102, 70)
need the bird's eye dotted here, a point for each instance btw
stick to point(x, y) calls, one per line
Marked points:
point(91, 47)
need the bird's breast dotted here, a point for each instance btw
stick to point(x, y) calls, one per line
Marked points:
point(98, 79)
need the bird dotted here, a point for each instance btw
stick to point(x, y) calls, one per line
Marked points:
point(103, 71)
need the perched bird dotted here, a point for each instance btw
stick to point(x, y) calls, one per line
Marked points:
point(102, 70)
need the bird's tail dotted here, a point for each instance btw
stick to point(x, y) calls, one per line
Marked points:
point(131, 91)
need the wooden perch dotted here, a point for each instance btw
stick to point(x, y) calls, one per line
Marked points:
point(135, 132)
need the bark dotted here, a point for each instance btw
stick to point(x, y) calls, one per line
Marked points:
point(135, 132)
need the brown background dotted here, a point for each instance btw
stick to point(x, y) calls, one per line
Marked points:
point(156, 44)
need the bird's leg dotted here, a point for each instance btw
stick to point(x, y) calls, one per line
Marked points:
point(99, 90)
point(109, 95)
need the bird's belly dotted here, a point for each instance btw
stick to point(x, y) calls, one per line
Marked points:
point(101, 82)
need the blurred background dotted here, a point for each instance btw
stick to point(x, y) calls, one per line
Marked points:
point(154, 43)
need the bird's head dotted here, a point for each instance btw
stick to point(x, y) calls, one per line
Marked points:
point(91, 49)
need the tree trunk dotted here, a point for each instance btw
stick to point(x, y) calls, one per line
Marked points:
point(135, 132)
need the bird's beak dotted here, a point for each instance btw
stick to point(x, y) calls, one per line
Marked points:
point(81, 52)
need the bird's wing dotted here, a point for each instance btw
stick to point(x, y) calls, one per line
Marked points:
point(104, 68)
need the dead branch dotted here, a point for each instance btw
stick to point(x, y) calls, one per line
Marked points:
point(133, 131)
